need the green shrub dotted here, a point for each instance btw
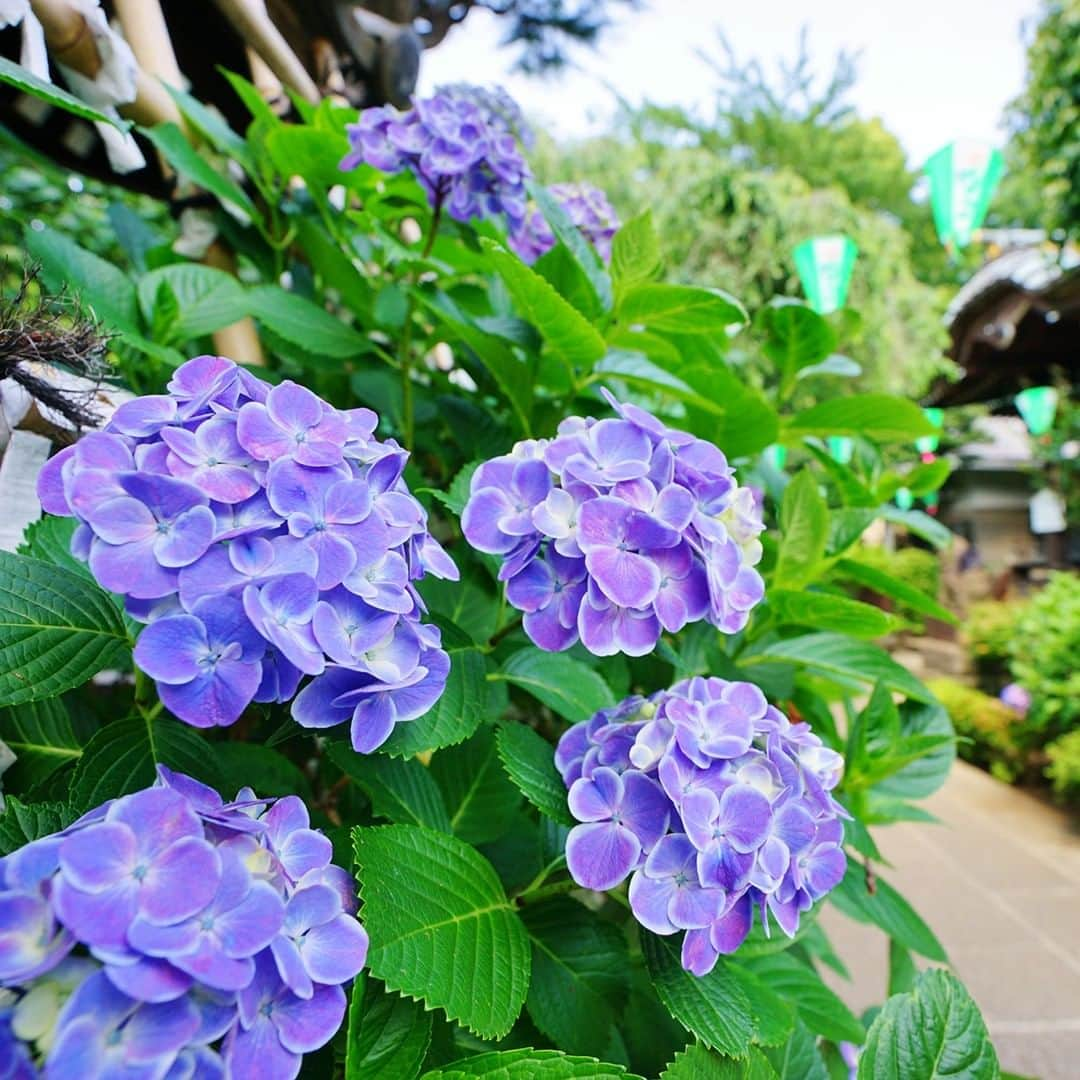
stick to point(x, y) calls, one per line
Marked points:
point(991, 734)
point(989, 630)
point(1045, 647)
point(1064, 768)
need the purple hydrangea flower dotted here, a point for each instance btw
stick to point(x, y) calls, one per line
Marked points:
point(461, 145)
point(617, 530)
point(1016, 697)
point(259, 532)
point(713, 804)
point(171, 934)
point(586, 206)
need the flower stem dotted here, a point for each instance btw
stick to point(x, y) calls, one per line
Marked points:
point(543, 892)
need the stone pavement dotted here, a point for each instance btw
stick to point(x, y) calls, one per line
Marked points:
point(999, 883)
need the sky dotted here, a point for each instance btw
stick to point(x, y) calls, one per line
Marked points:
point(933, 70)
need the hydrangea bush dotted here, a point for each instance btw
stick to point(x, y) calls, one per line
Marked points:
point(518, 522)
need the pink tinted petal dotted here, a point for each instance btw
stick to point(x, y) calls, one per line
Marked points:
point(96, 919)
point(698, 954)
point(601, 855)
point(693, 908)
point(131, 569)
point(649, 900)
point(294, 407)
point(259, 435)
point(745, 814)
point(149, 980)
point(336, 951)
point(181, 881)
point(188, 538)
point(122, 520)
point(304, 1026)
point(479, 522)
point(50, 483)
point(627, 579)
point(730, 930)
point(211, 966)
point(636, 634)
point(99, 857)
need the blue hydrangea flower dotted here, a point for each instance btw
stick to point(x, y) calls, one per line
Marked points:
point(713, 804)
point(586, 206)
point(617, 530)
point(461, 145)
point(258, 531)
point(169, 933)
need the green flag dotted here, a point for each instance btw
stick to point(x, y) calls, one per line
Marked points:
point(825, 264)
point(963, 176)
point(1038, 406)
point(928, 444)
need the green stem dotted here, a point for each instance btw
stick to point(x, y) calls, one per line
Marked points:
point(543, 892)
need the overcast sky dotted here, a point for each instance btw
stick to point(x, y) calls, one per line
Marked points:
point(933, 70)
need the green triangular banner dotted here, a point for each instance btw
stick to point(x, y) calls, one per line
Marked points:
point(963, 177)
point(824, 264)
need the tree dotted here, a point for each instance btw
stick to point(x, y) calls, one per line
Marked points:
point(1045, 118)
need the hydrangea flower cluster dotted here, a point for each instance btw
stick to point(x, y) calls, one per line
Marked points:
point(461, 146)
point(714, 802)
point(263, 535)
point(586, 206)
point(167, 934)
point(617, 530)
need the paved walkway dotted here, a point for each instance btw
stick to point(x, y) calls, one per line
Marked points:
point(999, 882)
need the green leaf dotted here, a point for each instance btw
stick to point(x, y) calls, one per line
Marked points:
point(401, 791)
point(773, 1017)
point(41, 737)
point(798, 1058)
point(880, 417)
point(209, 299)
point(820, 1009)
point(839, 614)
point(453, 718)
point(260, 767)
point(573, 240)
point(564, 685)
point(472, 603)
point(441, 927)
point(528, 1064)
point(100, 286)
point(301, 322)
point(750, 422)
point(635, 253)
point(56, 630)
point(887, 585)
point(796, 336)
point(804, 528)
point(333, 266)
point(567, 333)
point(698, 1063)
point(934, 1032)
point(925, 478)
point(923, 776)
point(19, 823)
point(902, 969)
point(681, 309)
point(847, 662)
point(309, 153)
point(122, 756)
point(529, 760)
point(212, 127)
point(923, 525)
point(178, 152)
point(580, 970)
point(22, 79)
point(479, 798)
point(49, 539)
point(713, 1007)
point(886, 908)
point(388, 1035)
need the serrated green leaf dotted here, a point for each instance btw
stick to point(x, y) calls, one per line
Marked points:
point(934, 1032)
point(22, 79)
point(844, 660)
point(564, 685)
point(566, 332)
point(472, 603)
point(582, 254)
point(302, 322)
point(100, 286)
point(579, 974)
point(796, 336)
point(208, 299)
point(820, 1009)
point(20, 823)
point(121, 758)
point(798, 1058)
point(773, 1017)
point(886, 908)
point(529, 760)
point(453, 718)
point(635, 253)
point(306, 152)
point(401, 791)
point(388, 1035)
point(887, 585)
point(441, 927)
point(838, 614)
point(528, 1064)
point(712, 1007)
point(880, 417)
point(173, 145)
point(479, 798)
point(922, 777)
point(698, 1063)
point(56, 630)
point(49, 539)
point(804, 530)
point(41, 737)
point(681, 309)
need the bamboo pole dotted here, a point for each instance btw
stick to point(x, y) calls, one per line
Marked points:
point(148, 35)
point(251, 21)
